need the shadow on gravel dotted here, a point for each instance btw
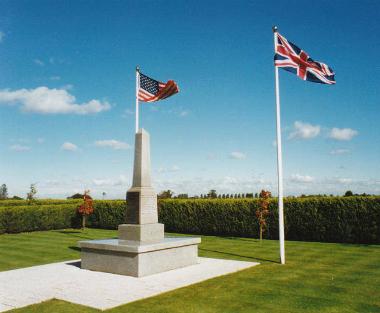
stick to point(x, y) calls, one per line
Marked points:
point(241, 256)
point(76, 264)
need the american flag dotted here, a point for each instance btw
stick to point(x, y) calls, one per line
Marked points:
point(293, 59)
point(151, 90)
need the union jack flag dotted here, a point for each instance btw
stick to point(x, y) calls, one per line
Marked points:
point(293, 59)
point(151, 90)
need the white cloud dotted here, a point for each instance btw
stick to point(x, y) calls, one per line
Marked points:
point(67, 87)
point(127, 113)
point(183, 113)
point(304, 131)
point(2, 35)
point(113, 144)
point(237, 155)
point(121, 180)
point(343, 133)
point(50, 101)
point(19, 148)
point(344, 180)
point(297, 178)
point(55, 78)
point(339, 151)
point(40, 140)
point(68, 146)
point(39, 62)
point(174, 168)
point(211, 156)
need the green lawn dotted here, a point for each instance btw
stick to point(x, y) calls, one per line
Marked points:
point(318, 277)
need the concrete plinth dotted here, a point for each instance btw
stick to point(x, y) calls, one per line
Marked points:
point(138, 260)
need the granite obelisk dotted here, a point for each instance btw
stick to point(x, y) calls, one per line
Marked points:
point(142, 217)
point(141, 248)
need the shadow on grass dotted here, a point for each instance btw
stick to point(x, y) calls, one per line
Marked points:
point(75, 233)
point(75, 248)
point(69, 232)
point(239, 255)
point(239, 238)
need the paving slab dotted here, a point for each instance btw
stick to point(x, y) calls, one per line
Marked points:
point(67, 281)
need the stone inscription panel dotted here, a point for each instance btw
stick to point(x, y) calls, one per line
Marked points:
point(148, 209)
point(133, 205)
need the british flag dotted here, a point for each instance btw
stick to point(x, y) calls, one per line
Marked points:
point(293, 59)
point(151, 90)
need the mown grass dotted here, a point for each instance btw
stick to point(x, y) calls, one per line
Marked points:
point(318, 277)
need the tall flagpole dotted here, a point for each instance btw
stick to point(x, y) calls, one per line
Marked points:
point(137, 97)
point(279, 160)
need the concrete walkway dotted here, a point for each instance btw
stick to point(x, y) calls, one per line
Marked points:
point(66, 281)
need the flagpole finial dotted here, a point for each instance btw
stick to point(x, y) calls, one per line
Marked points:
point(137, 68)
point(275, 29)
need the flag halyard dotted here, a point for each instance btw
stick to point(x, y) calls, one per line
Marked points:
point(293, 59)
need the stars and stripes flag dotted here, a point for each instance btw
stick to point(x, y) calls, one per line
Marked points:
point(151, 90)
point(293, 59)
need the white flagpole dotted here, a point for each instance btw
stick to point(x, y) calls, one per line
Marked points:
point(279, 161)
point(137, 97)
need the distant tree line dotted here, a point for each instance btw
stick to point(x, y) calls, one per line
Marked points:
point(168, 194)
point(212, 194)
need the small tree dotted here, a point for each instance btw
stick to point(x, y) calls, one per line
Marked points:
point(86, 208)
point(30, 196)
point(166, 194)
point(348, 193)
point(76, 196)
point(212, 194)
point(263, 211)
point(103, 194)
point(3, 192)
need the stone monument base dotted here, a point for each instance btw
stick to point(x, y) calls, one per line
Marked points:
point(138, 259)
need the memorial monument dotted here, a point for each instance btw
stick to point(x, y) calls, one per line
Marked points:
point(141, 248)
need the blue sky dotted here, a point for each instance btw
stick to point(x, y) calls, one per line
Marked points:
point(67, 93)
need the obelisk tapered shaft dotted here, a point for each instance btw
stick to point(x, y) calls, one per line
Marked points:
point(141, 168)
point(141, 198)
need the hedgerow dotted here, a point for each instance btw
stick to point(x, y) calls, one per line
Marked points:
point(325, 219)
point(8, 203)
point(108, 214)
point(37, 217)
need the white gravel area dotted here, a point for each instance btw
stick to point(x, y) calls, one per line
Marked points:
point(67, 281)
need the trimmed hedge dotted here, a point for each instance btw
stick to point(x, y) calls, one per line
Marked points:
point(38, 217)
point(23, 218)
point(8, 203)
point(108, 214)
point(327, 219)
